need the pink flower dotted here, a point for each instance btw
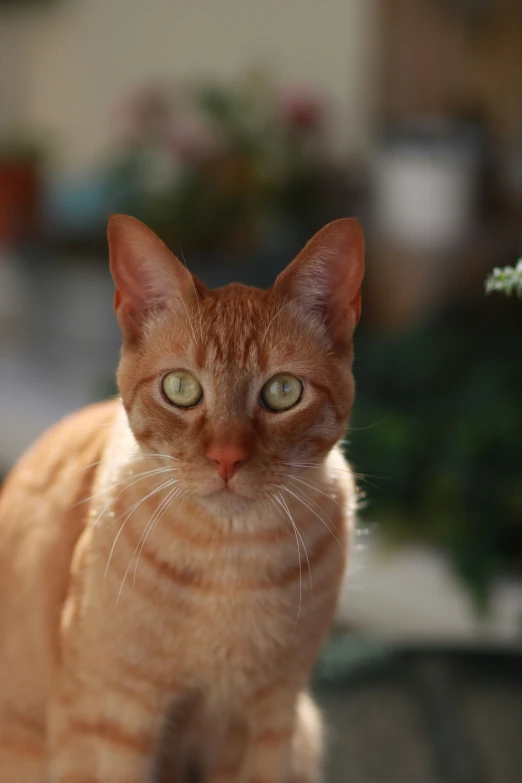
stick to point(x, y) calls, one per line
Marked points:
point(193, 139)
point(145, 115)
point(302, 108)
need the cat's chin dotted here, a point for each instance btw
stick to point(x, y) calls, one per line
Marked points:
point(226, 503)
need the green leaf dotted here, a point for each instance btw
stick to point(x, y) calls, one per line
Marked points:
point(507, 280)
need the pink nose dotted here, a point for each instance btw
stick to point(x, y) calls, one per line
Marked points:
point(227, 458)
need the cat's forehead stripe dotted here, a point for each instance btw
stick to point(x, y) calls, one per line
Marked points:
point(232, 330)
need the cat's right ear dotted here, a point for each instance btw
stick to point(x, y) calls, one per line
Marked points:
point(325, 278)
point(148, 276)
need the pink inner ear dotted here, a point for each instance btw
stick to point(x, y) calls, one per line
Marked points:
point(327, 274)
point(146, 273)
point(143, 268)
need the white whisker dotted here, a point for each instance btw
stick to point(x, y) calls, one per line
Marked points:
point(134, 507)
point(148, 527)
point(127, 483)
point(320, 518)
point(173, 494)
point(279, 498)
point(315, 489)
point(278, 509)
point(160, 511)
point(188, 316)
point(151, 454)
point(283, 307)
point(195, 293)
point(136, 457)
point(300, 536)
point(183, 498)
point(360, 476)
point(223, 309)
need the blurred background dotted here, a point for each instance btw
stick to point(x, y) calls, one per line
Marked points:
point(236, 130)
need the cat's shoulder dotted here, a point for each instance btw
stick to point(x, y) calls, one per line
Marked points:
point(68, 449)
point(79, 432)
point(84, 424)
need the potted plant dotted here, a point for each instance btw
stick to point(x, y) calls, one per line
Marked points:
point(217, 168)
point(21, 159)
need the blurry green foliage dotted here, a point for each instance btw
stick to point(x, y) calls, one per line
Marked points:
point(437, 426)
point(507, 280)
point(212, 166)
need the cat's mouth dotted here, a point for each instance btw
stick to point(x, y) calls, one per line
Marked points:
point(226, 501)
point(227, 492)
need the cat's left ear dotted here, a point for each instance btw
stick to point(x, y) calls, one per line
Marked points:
point(325, 278)
point(148, 276)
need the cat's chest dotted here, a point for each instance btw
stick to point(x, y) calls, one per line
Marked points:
point(235, 613)
point(239, 601)
point(205, 607)
point(234, 640)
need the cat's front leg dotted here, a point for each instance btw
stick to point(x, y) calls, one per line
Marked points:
point(284, 742)
point(307, 743)
point(99, 733)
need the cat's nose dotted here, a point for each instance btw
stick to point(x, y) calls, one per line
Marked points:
point(227, 458)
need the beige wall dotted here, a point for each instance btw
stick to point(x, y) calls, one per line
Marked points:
point(15, 68)
point(85, 55)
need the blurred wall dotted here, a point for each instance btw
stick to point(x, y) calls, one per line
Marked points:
point(15, 68)
point(86, 54)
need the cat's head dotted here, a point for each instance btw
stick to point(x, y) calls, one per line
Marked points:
point(241, 386)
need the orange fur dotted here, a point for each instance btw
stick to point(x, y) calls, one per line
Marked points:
point(159, 612)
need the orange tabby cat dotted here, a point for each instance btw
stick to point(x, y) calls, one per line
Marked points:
point(170, 562)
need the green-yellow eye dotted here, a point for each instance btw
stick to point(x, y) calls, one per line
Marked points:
point(281, 392)
point(182, 388)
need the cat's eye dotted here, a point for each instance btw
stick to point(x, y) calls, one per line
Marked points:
point(281, 392)
point(182, 388)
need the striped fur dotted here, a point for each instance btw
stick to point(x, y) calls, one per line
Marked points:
point(155, 626)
